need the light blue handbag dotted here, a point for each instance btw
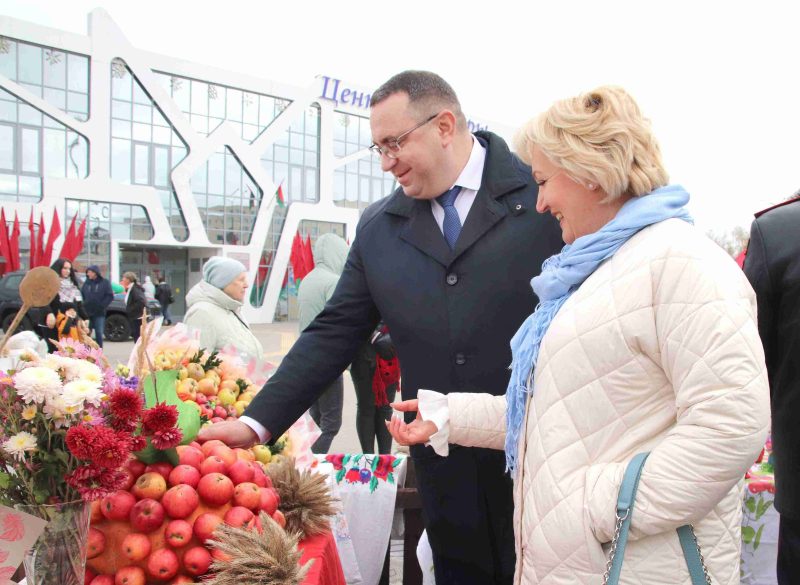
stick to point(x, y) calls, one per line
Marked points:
point(627, 496)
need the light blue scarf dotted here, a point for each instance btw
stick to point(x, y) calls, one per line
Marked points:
point(561, 276)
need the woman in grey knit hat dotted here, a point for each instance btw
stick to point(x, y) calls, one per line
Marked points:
point(214, 309)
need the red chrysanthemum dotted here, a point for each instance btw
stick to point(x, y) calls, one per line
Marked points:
point(126, 405)
point(79, 441)
point(167, 439)
point(113, 480)
point(110, 450)
point(162, 417)
point(138, 443)
point(90, 494)
point(83, 476)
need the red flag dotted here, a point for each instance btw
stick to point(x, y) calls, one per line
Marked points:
point(279, 198)
point(78, 243)
point(308, 255)
point(32, 237)
point(296, 257)
point(13, 244)
point(40, 243)
point(4, 247)
point(69, 240)
point(55, 231)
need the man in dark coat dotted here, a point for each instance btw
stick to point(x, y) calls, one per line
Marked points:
point(135, 302)
point(450, 279)
point(772, 265)
point(97, 295)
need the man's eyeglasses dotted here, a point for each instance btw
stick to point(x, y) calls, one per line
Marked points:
point(393, 145)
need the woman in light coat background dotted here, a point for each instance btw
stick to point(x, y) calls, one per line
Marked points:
point(214, 309)
point(645, 340)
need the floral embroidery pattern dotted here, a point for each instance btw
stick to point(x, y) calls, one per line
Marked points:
point(363, 468)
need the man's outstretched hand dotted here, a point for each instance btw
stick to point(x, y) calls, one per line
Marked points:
point(413, 433)
point(233, 433)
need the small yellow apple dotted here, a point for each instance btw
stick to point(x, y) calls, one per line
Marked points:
point(262, 453)
point(226, 397)
point(239, 406)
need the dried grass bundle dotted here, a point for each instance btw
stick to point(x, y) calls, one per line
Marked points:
point(269, 558)
point(305, 499)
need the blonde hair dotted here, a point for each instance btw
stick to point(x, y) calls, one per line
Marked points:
point(598, 137)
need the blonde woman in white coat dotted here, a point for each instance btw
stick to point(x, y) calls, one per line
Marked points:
point(645, 340)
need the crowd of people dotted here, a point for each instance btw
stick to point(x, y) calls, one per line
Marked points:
point(555, 316)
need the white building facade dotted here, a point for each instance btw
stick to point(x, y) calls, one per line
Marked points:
point(173, 162)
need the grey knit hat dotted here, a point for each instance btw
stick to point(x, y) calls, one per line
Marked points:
point(220, 272)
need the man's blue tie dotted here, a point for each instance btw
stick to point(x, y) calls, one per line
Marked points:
point(452, 224)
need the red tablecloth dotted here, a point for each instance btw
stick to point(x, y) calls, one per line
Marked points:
point(326, 568)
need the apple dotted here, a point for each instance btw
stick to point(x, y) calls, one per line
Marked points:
point(151, 485)
point(163, 564)
point(201, 399)
point(180, 501)
point(260, 478)
point(215, 489)
point(135, 546)
point(195, 371)
point(207, 387)
point(248, 495)
point(129, 480)
point(178, 533)
point(262, 453)
point(184, 474)
point(181, 580)
point(213, 464)
point(186, 389)
point(239, 407)
point(102, 580)
point(220, 411)
point(88, 576)
point(197, 560)
point(238, 516)
point(204, 526)
point(146, 515)
point(131, 575)
point(279, 518)
point(241, 472)
point(268, 500)
point(220, 556)
point(245, 454)
point(117, 506)
point(96, 512)
point(162, 467)
point(217, 419)
point(209, 445)
point(225, 453)
point(226, 397)
point(96, 543)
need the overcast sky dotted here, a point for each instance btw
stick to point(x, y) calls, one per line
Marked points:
point(720, 80)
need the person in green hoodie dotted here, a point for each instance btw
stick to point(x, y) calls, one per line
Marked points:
point(330, 254)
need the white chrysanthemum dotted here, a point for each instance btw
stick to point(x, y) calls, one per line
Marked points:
point(37, 384)
point(78, 392)
point(56, 411)
point(90, 372)
point(70, 368)
point(19, 444)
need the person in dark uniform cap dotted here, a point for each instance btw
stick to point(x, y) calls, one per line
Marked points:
point(772, 265)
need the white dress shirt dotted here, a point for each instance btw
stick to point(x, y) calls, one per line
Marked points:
point(470, 181)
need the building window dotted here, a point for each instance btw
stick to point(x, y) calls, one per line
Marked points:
point(58, 77)
point(227, 197)
point(106, 222)
point(363, 181)
point(293, 160)
point(144, 145)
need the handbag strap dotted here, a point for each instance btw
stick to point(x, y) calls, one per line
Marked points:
point(625, 501)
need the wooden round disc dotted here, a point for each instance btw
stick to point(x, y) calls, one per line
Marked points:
point(39, 286)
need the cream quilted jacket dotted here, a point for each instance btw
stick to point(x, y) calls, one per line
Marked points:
point(657, 351)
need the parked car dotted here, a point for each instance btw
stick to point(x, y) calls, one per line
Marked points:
point(117, 327)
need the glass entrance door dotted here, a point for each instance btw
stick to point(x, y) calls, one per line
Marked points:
point(171, 263)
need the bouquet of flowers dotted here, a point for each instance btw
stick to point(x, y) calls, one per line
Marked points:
point(69, 424)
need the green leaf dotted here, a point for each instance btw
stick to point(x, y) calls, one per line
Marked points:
point(373, 484)
point(5, 480)
point(346, 460)
point(747, 534)
point(750, 503)
point(396, 462)
point(757, 540)
point(390, 477)
point(357, 458)
point(375, 461)
point(340, 475)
